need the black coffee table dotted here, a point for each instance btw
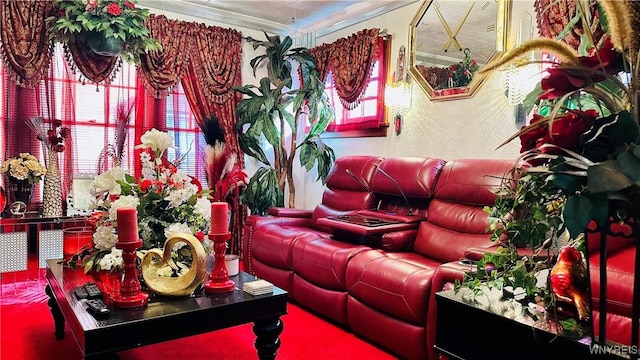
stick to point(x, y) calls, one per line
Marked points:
point(162, 319)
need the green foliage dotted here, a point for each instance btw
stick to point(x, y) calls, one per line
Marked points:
point(273, 109)
point(263, 191)
point(116, 19)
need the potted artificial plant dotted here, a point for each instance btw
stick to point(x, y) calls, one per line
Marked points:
point(108, 27)
point(274, 108)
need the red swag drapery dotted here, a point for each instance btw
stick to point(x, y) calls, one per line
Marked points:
point(24, 39)
point(208, 66)
point(26, 54)
point(351, 61)
point(208, 62)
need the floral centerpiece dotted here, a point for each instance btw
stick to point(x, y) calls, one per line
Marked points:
point(21, 174)
point(579, 160)
point(167, 200)
point(25, 169)
point(109, 27)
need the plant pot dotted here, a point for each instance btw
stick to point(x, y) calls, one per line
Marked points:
point(101, 45)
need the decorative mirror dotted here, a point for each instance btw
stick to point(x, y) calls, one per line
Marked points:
point(451, 40)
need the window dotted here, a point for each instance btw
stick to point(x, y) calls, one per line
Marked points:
point(188, 138)
point(89, 110)
point(368, 118)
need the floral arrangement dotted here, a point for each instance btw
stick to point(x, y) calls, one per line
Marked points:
point(168, 202)
point(461, 74)
point(24, 168)
point(579, 160)
point(52, 135)
point(118, 20)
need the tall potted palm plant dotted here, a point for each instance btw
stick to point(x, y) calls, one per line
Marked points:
point(272, 109)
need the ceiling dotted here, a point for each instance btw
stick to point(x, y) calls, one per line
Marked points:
point(282, 17)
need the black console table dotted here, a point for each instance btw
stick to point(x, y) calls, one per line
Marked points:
point(21, 236)
point(465, 331)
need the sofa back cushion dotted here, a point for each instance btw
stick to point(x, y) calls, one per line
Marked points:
point(415, 176)
point(456, 220)
point(344, 192)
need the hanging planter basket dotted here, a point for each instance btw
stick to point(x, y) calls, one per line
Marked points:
point(100, 44)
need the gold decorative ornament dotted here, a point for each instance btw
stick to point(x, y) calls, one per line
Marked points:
point(156, 259)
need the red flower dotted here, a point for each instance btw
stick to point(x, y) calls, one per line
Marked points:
point(65, 132)
point(145, 185)
point(130, 5)
point(565, 131)
point(563, 80)
point(113, 9)
point(200, 236)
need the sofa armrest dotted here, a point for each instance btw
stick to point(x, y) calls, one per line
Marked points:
point(476, 253)
point(398, 240)
point(290, 212)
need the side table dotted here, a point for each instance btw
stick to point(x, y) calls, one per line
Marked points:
point(466, 331)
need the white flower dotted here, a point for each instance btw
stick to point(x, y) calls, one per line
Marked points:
point(121, 202)
point(105, 237)
point(203, 207)
point(156, 140)
point(106, 182)
point(145, 230)
point(175, 229)
point(177, 197)
point(112, 260)
point(148, 169)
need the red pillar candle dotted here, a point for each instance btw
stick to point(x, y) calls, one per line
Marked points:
point(127, 225)
point(219, 223)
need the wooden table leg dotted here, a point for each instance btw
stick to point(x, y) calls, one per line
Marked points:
point(58, 319)
point(268, 337)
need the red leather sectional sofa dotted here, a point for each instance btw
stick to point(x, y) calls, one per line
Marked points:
point(379, 279)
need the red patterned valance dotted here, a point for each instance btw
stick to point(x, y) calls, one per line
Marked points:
point(161, 70)
point(351, 61)
point(96, 68)
point(24, 39)
point(553, 16)
point(216, 60)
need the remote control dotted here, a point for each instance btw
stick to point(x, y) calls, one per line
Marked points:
point(93, 291)
point(81, 292)
point(97, 307)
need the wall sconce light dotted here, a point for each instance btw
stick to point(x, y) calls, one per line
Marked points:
point(397, 97)
point(397, 94)
point(521, 78)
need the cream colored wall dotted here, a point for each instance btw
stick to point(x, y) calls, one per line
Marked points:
point(467, 128)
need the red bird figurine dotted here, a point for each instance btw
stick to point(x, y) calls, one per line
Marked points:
point(568, 281)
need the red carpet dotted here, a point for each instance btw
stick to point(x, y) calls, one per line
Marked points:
point(26, 333)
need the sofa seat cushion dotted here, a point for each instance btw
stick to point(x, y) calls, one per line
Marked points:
point(323, 261)
point(404, 339)
point(397, 284)
point(330, 303)
point(619, 281)
point(618, 328)
point(272, 244)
